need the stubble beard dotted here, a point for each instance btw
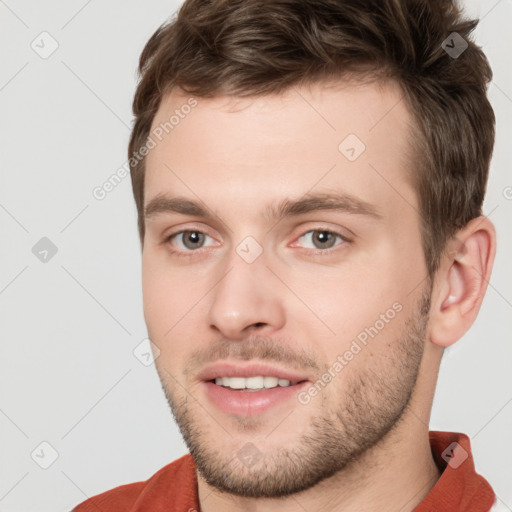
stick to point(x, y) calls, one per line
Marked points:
point(372, 404)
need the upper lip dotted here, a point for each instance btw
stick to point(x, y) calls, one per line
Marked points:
point(251, 369)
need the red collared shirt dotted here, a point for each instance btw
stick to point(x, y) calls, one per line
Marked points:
point(174, 487)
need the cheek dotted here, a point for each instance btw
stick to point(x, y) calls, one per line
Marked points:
point(351, 300)
point(171, 296)
point(345, 297)
point(162, 296)
point(166, 304)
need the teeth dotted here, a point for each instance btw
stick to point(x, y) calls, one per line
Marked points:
point(270, 382)
point(252, 382)
point(234, 382)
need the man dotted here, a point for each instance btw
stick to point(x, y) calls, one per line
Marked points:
point(309, 178)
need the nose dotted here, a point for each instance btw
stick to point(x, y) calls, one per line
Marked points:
point(246, 299)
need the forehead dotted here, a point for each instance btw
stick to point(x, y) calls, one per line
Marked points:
point(350, 137)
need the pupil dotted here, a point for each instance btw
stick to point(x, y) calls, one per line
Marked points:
point(324, 238)
point(192, 239)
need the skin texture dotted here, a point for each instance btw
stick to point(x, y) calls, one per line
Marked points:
point(362, 441)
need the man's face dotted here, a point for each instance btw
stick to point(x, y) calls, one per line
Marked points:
point(232, 290)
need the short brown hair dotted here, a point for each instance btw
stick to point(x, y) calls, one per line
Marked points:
point(249, 48)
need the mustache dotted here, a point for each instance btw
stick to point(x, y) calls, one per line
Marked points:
point(255, 347)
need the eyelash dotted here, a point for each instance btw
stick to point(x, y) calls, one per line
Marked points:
point(192, 253)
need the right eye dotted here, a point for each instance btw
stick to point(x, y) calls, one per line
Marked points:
point(189, 241)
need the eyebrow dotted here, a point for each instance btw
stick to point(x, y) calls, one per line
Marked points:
point(308, 203)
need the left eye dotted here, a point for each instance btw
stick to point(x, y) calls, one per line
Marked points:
point(321, 239)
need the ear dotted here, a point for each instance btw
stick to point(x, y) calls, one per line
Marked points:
point(461, 281)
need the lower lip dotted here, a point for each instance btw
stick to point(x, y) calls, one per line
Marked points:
point(250, 403)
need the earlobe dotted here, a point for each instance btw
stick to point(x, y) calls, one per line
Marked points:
point(461, 282)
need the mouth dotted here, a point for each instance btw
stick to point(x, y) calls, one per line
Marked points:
point(251, 389)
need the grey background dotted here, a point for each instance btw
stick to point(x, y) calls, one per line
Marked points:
point(69, 326)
